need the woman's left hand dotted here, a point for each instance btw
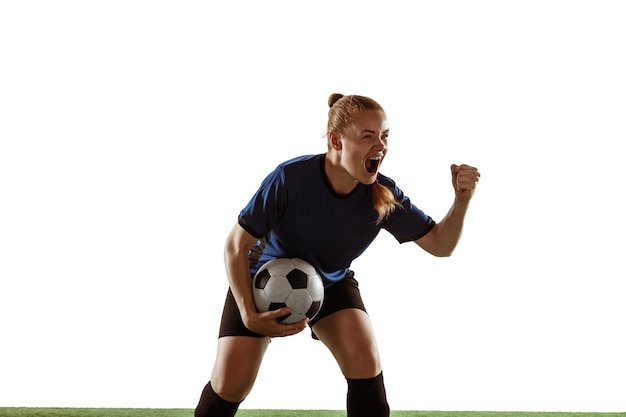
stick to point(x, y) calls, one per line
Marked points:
point(464, 180)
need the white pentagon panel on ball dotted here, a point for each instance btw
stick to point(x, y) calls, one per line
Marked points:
point(277, 289)
point(300, 301)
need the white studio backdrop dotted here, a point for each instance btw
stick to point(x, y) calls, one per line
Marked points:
point(133, 132)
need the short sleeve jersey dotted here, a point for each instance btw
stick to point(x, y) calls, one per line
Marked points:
point(302, 215)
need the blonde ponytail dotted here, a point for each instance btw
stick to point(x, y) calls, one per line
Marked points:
point(384, 201)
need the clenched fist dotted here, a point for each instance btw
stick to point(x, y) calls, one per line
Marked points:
point(464, 180)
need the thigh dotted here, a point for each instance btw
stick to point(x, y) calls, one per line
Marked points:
point(237, 365)
point(342, 295)
point(349, 335)
point(232, 324)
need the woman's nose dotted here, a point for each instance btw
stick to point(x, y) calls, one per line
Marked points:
point(381, 143)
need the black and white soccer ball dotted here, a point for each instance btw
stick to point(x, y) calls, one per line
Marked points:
point(291, 282)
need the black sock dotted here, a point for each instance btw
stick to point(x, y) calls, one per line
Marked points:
point(212, 405)
point(367, 397)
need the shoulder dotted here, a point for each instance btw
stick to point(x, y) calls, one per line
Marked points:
point(387, 182)
point(292, 169)
point(393, 187)
point(302, 162)
point(301, 166)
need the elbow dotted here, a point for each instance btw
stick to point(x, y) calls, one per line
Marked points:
point(438, 243)
point(443, 253)
point(438, 252)
point(443, 250)
point(448, 250)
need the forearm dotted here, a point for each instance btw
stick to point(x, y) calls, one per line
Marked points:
point(237, 263)
point(238, 270)
point(239, 280)
point(444, 237)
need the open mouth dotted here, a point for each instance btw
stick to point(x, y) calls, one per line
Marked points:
point(371, 164)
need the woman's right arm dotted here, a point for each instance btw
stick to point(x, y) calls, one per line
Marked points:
point(238, 245)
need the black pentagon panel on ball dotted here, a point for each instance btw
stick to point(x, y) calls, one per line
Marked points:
point(313, 310)
point(282, 318)
point(261, 279)
point(276, 306)
point(297, 279)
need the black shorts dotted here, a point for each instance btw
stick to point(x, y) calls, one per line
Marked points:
point(341, 295)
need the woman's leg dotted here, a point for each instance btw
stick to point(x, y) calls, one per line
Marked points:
point(349, 335)
point(239, 355)
point(236, 367)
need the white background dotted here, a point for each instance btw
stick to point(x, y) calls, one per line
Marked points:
point(133, 132)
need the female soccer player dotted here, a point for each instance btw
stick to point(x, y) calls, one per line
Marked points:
point(326, 209)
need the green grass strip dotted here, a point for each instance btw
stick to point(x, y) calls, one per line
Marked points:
point(185, 412)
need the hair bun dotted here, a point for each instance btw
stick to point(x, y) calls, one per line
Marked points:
point(335, 97)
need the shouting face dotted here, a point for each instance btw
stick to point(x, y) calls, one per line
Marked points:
point(356, 154)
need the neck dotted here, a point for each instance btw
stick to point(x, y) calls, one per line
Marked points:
point(340, 181)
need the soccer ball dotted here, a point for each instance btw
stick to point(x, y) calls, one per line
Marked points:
point(288, 282)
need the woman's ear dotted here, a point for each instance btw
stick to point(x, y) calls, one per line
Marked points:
point(334, 140)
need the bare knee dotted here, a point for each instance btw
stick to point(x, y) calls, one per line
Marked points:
point(236, 366)
point(349, 336)
point(362, 361)
point(232, 389)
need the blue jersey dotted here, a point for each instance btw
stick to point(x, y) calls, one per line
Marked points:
point(303, 216)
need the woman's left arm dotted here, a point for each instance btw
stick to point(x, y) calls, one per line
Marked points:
point(444, 236)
